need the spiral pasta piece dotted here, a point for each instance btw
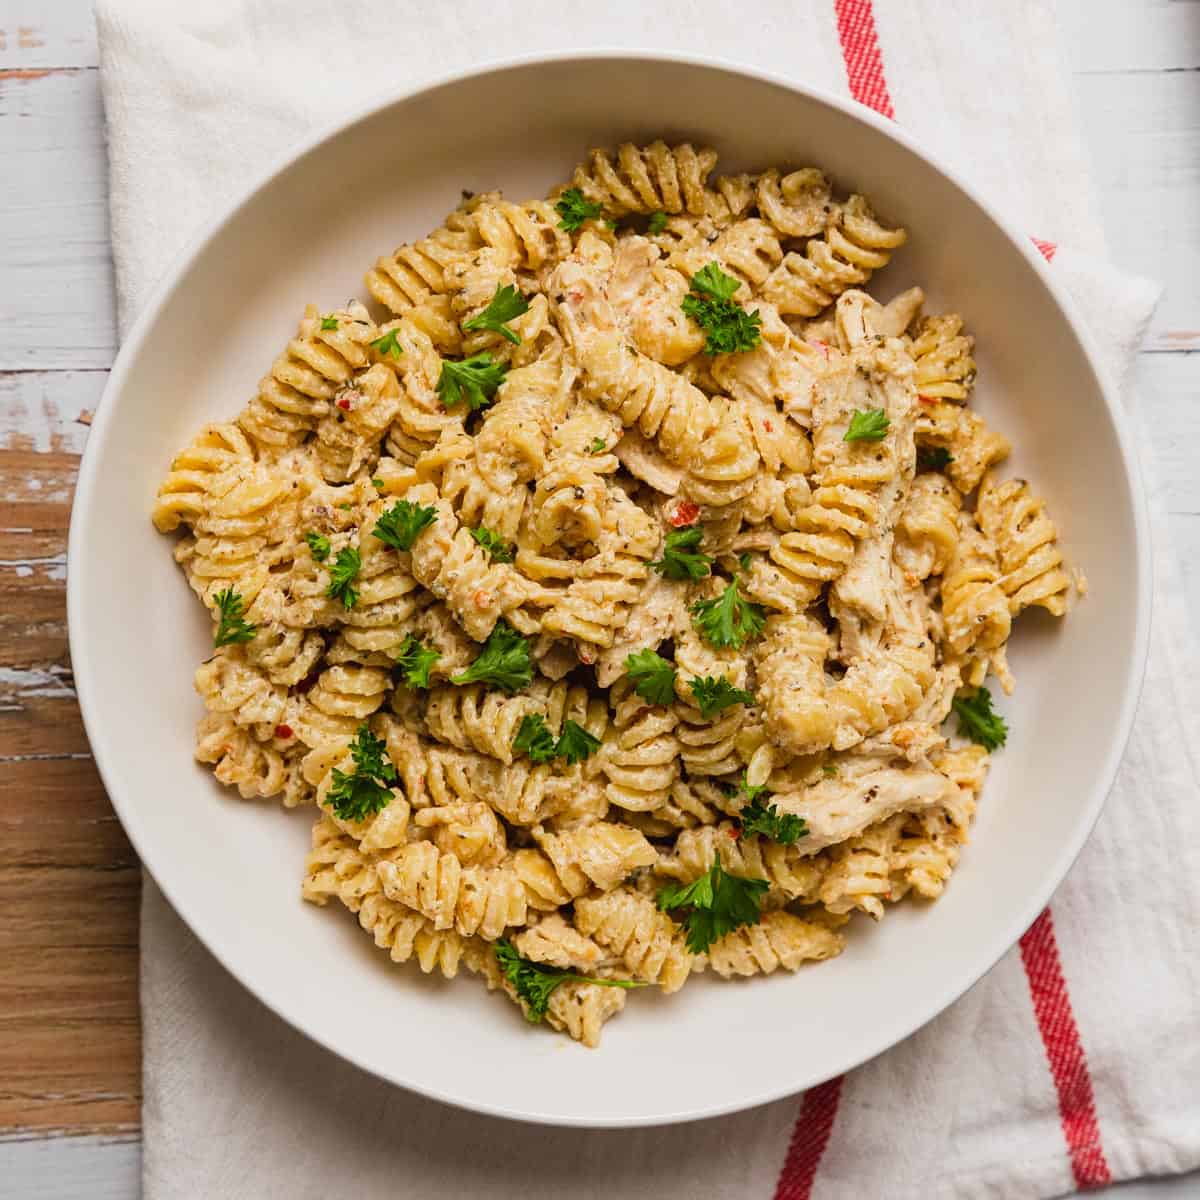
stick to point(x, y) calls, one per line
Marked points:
point(653, 178)
point(336, 868)
point(799, 204)
point(469, 899)
point(975, 608)
point(558, 943)
point(240, 760)
point(650, 945)
point(847, 254)
point(412, 274)
point(1026, 541)
point(303, 381)
point(927, 531)
point(184, 494)
point(941, 351)
point(974, 448)
point(779, 939)
point(792, 871)
point(640, 755)
point(448, 561)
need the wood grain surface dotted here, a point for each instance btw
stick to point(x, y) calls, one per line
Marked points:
point(69, 882)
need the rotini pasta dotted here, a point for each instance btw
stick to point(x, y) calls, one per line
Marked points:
point(624, 557)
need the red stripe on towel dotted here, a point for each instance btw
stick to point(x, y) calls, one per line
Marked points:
point(860, 49)
point(1064, 1051)
point(1048, 249)
point(809, 1139)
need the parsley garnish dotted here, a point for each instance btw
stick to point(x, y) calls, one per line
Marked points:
point(365, 791)
point(575, 743)
point(730, 328)
point(680, 558)
point(498, 549)
point(727, 619)
point(598, 446)
point(574, 209)
point(329, 322)
point(387, 344)
point(933, 458)
point(230, 627)
point(535, 982)
point(978, 721)
point(830, 771)
point(399, 526)
point(414, 660)
point(318, 543)
point(506, 305)
point(657, 222)
point(717, 903)
point(342, 575)
point(715, 694)
point(767, 820)
point(474, 380)
point(653, 677)
point(377, 483)
point(869, 426)
point(534, 739)
point(503, 662)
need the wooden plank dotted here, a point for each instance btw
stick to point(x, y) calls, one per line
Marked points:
point(48, 410)
point(56, 305)
point(56, 813)
point(1143, 135)
point(38, 33)
point(100, 1168)
point(69, 1036)
point(35, 496)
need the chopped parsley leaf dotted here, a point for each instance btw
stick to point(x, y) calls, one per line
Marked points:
point(414, 661)
point(680, 558)
point(473, 380)
point(869, 426)
point(230, 626)
point(399, 526)
point(573, 209)
point(342, 574)
point(534, 982)
point(506, 305)
point(653, 677)
point(715, 904)
point(504, 662)
point(318, 543)
point(366, 790)
point(978, 720)
point(498, 549)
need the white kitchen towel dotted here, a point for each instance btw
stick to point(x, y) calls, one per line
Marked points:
point(1075, 1060)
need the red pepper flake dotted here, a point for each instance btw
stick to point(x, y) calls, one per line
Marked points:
point(768, 427)
point(735, 830)
point(926, 399)
point(283, 731)
point(586, 655)
point(685, 513)
point(824, 346)
point(344, 404)
point(306, 684)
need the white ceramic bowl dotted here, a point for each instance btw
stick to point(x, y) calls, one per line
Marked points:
point(306, 233)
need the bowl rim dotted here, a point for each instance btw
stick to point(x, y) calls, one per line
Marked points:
point(87, 682)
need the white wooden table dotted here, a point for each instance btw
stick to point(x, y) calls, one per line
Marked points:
point(69, 1087)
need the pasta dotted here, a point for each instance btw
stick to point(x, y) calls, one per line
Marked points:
point(606, 584)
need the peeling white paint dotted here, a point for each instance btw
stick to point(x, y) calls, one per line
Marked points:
point(54, 683)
